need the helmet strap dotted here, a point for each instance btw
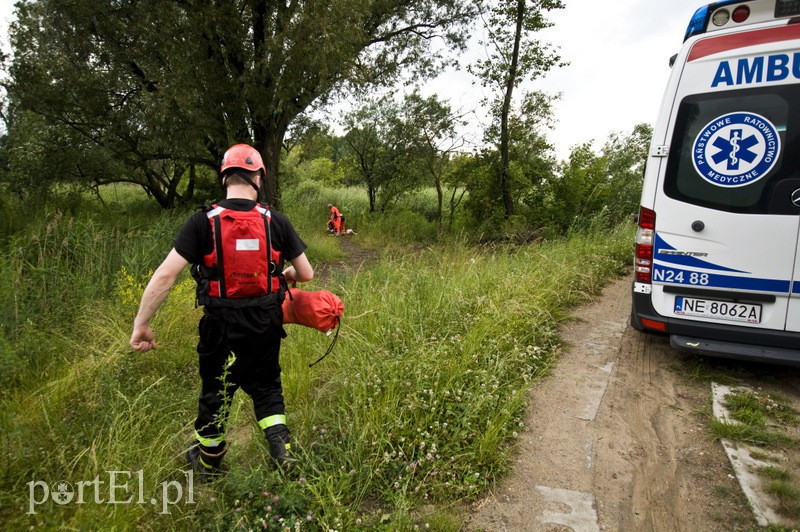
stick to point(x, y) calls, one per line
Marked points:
point(246, 179)
point(250, 182)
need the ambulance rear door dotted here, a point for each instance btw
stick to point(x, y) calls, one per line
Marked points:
point(728, 211)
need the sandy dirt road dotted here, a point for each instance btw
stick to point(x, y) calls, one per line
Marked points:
point(617, 438)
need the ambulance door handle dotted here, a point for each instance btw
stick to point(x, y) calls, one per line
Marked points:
point(698, 226)
point(796, 198)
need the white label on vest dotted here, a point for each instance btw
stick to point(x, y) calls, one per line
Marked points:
point(246, 244)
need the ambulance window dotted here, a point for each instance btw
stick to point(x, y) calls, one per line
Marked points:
point(737, 151)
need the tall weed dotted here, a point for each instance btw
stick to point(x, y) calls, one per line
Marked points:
point(420, 403)
point(424, 398)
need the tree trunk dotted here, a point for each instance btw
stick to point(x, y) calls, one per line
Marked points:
point(440, 205)
point(371, 194)
point(454, 204)
point(190, 187)
point(176, 170)
point(268, 143)
point(505, 187)
point(155, 187)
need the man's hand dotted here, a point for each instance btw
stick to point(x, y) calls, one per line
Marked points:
point(154, 294)
point(143, 338)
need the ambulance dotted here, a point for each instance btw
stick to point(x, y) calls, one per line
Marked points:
point(717, 251)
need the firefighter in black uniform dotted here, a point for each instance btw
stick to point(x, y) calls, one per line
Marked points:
point(237, 249)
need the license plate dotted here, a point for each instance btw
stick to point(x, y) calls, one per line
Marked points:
point(720, 310)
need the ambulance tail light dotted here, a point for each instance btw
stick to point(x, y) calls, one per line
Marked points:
point(740, 14)
point(708, 13)
point(643, 256)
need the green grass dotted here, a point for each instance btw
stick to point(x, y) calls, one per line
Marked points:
point(761, 419)
point(765, 420)
point(752, 434)
point(774, 473)
point(788, 495)
point(758, 408)
point(416, 410)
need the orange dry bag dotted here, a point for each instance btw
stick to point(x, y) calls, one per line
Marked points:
point(320, 310)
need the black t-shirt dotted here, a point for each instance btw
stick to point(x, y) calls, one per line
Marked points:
point(195, 240)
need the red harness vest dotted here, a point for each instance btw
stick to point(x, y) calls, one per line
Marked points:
point(243, 269)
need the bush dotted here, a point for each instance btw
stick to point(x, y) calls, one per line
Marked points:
point(405, 228)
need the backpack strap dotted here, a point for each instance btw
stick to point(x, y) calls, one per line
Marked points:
point(213, 216)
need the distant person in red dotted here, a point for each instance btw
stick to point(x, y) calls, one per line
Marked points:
point(336, 221)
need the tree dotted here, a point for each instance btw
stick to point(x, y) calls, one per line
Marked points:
point(313, 137)
point(163, 85)
point(514, 55)
point(626, 156)
point(39, 154)
point(530, 156)
point(382, 151)
point(462, 170)
point(366, 150)
point(609, 182)
point(582, 189)
point(531, 164)
point(433, 136)
point(308, 153)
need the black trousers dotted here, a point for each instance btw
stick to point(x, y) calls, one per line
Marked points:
point(255, 369)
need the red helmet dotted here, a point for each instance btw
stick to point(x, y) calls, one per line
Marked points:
point(243, 156)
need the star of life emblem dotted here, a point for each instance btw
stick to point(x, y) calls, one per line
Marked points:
point(736, 149)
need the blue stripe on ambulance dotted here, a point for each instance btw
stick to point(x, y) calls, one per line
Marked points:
point(665, 274)
point(686, 260)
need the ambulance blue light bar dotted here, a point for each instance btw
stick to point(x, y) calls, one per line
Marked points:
point(699, 21)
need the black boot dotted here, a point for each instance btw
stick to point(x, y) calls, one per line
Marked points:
point(205, 461)
point(280, 448)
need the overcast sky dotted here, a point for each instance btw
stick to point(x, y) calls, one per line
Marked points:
point(618, 52)
point(619, 64)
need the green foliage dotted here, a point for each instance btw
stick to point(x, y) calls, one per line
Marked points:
point(514, 55)
point(321, 170)
point(313, 137)
point(431, 130)
point(55, 262)
point(406, 227)
point(380, 152)
point(531, 166)
point(590, 184)
point(156, 102)
point(788, 496)
point(774, 473)
point(626, 156)
point(419, 404)
point(534, 58)
point(37, 156)
point(424, 202)
point(752, 434)
point(580, 192)
point(15, 216)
